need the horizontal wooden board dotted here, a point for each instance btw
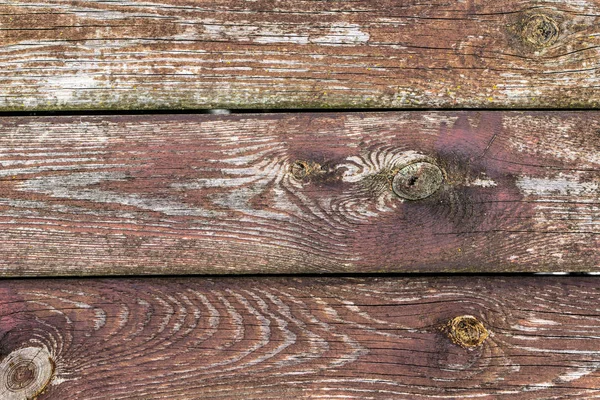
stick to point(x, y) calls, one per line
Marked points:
point(285, 193)
point(284, 338)
point(286, 54)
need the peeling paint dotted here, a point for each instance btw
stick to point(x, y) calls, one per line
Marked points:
point(562, 185)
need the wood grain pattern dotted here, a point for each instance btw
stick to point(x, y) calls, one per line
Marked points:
point(166, 54)
point(298, 193)
point(327, 338)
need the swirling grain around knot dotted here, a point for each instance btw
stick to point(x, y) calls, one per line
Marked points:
point(307, 337)
point(310, 192)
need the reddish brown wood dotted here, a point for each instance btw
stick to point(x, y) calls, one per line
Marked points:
point(276, 338)
point(194, 54)
point(298, 193)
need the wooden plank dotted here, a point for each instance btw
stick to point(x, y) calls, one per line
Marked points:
point(281, 193)
point(276, 338)
point(252, 54)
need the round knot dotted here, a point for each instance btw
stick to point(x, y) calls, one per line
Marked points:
point(540, 30)
point(24, 373)
point(466, 331)
point(417, 180)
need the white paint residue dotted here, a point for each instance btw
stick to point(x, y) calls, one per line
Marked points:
point(100, 319)
point(520, 327)
point(433, 121)
point(342, 34)
point(516, 87)
point(275, 34)
point(77, 186)
point(520, 337)
point(65, 87)
point(123, 316)
point(484, 182)
point(537, 386)
point(539, 321)
point(583, 6)
point(284, 38)
point(556, 142)
point(264, 34)
point(578, 373)
point(57, 380)
point(561, 185)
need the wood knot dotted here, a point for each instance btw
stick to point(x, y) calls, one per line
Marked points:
point(417, 180)
point(466, 331)
point(303, 170)
point(24, 373)
point(540, 30)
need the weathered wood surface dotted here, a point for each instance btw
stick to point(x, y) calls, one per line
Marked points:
point(253, 54)
point(298, 193)
point(284, 338)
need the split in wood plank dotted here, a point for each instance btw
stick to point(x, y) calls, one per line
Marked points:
point(281, 193)
point(286, 338)
point(310, 54)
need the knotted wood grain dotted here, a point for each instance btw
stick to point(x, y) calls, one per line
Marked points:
point(291, 193)
point(330, 338)
point(261, 54)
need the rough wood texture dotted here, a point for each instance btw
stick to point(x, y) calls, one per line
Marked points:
point(252, 54)
point(298, 193)
point(286, 338)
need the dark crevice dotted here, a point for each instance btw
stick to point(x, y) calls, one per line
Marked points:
point(276, 111)
point(332, 275)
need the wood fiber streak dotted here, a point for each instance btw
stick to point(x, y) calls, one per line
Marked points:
point(330, 338)
point(286, 54)
point(298, 193)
